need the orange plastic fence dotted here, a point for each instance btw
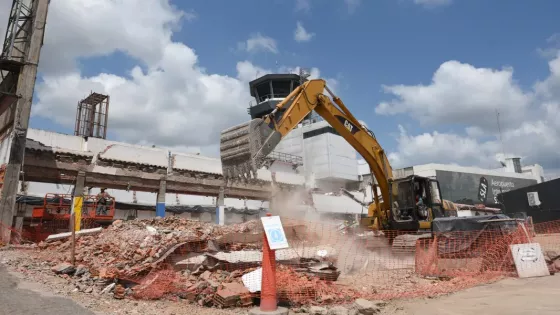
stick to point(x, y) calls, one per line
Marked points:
point(327, 264)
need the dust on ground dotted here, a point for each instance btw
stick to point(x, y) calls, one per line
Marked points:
point(512, 296)
point(33, 275)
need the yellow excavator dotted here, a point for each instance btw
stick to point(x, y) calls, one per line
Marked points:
point(406, 204)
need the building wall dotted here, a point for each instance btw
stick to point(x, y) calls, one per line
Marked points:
point(516, 201)
point(328, 159)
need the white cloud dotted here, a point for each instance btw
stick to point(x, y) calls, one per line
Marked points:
point(303, 5)
point(5, 7)
point(301, 34)
point(553, 45)
point(168, 99)
point(461, 94)
point(438, 147)
point(352, 5)
point(98, 28)
point(433, 3)
point(258, 43)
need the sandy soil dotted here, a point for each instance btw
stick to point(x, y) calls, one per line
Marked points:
point(510, 296)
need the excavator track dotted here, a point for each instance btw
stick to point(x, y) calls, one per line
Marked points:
point(406, 243)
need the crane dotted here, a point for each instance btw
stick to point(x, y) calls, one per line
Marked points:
point(405, 204)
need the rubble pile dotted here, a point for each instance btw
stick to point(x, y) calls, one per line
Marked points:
point(175, 258)
point(133, 248)
point(299, 288)
point(553, 261)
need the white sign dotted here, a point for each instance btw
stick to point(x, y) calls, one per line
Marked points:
point(529, 260)
point(533, 199)
point(275, 232)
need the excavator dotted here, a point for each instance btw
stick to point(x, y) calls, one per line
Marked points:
point(406, 205)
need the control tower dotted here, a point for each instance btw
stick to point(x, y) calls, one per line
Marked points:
point(270, 90)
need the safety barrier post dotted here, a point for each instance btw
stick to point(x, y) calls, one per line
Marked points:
point(269, 301)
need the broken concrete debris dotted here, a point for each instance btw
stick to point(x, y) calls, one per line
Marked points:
point(175, 258)
point(553, 261)
point(64, 269)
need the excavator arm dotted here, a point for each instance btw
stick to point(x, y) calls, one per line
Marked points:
point(244, 147)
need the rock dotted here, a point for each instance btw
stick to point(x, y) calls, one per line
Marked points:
point(81, 270)
point(118, 223)
point(550, 254)
point(366, 307)
point(338, 310)
point(64, 268)
point(119, 292)
point(212, 247)
point(108, 288)
point(557, 264)
point(317, 310)
point(88, 290)
point(152, 230)
point(352, 312)
point(326, 299)
point(206, 275)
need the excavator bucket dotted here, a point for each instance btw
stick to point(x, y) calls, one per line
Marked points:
point(243, 148)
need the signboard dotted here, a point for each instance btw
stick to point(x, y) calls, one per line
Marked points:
point(274, 232)
point(482, 189)
point(529, 260)
point(533, 199)
point(469, 188)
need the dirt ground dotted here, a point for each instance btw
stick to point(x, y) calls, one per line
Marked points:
point(509, 296)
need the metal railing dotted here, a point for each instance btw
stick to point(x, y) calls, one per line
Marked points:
point(267, 97)
point(285, 157)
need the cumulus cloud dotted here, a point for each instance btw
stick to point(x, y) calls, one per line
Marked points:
point(461, 93)
point(466, 95)
point(301, 34)
point(5, 7)
point(433, 3)
point(168, 99)
point(77, 29)
point(258, 43)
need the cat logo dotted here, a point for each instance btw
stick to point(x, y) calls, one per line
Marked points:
point(347, 124)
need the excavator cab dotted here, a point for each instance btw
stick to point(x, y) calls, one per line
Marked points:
point(415, 202)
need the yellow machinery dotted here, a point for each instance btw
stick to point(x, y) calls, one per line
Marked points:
point(406, 204)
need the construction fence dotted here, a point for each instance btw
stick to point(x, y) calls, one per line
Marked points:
point(326, 263)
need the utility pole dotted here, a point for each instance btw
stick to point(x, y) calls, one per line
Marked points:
point(18, 63)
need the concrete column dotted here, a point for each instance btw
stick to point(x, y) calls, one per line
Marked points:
point(160, 205)
point(78, 200)
point(220, 208)
point(25, 86)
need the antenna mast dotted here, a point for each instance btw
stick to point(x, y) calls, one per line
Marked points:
point(500, 132)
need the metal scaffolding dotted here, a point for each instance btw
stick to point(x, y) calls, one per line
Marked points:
point(16, 44)
point(92, 116)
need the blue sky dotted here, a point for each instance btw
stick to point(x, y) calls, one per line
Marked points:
point(381, 42)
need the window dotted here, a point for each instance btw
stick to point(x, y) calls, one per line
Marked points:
point(320, 131)
point(434, 191)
